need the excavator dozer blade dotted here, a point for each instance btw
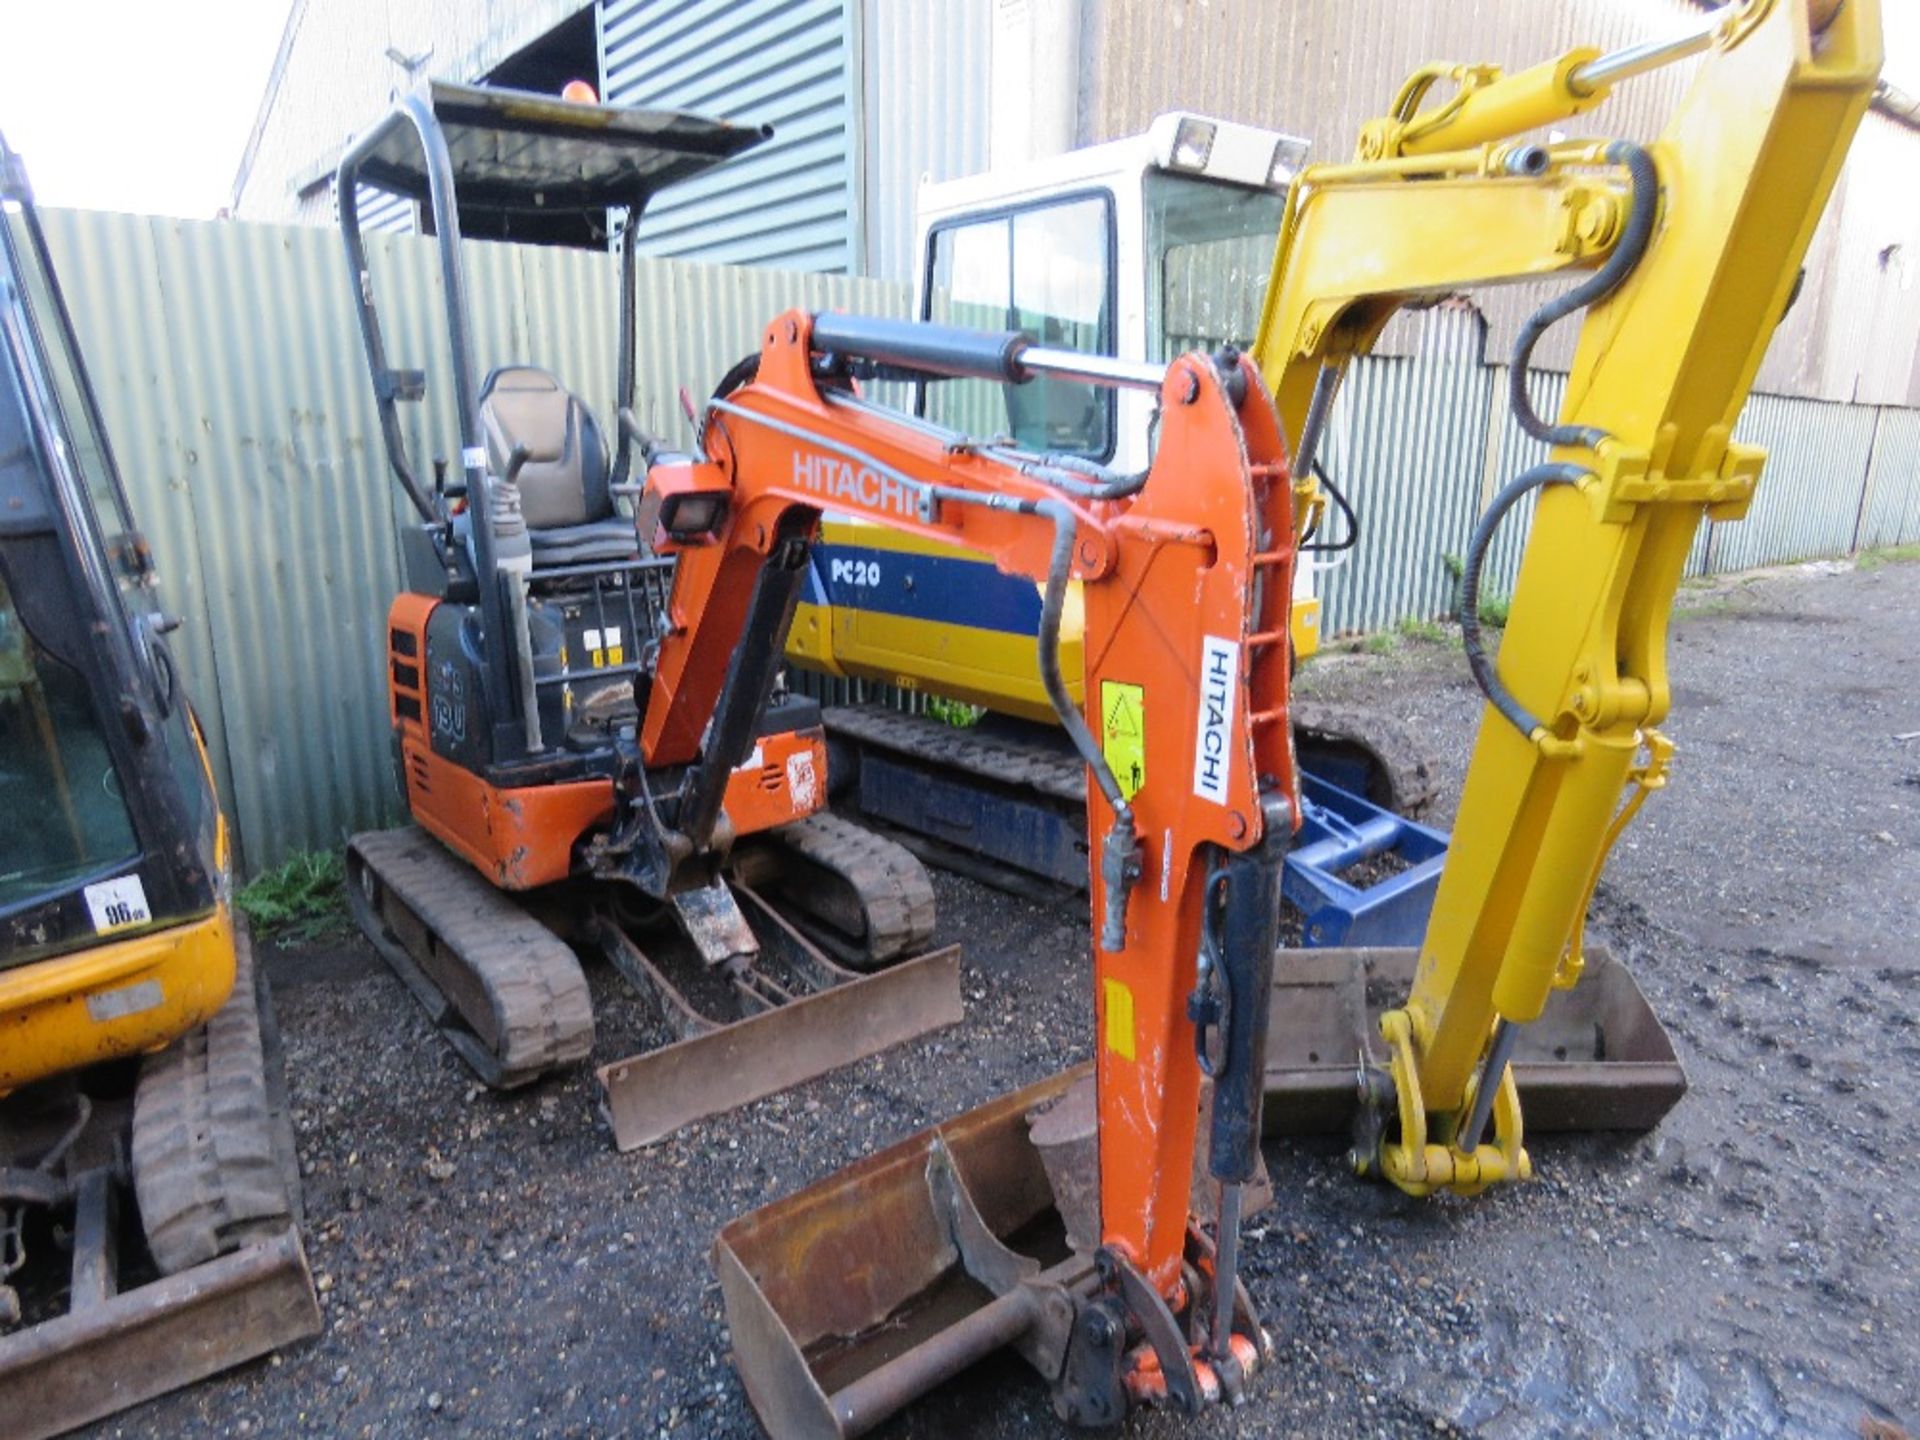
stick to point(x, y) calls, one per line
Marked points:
point(102, 1357)
point(1596, 1059)
point(649, 1096)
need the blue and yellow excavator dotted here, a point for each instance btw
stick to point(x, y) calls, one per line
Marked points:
point(1140, 248)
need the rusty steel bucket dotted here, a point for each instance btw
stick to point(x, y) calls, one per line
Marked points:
point(851, 1298)
point(1596, 1059)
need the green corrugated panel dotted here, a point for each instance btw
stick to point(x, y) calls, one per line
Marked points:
point(229, 365)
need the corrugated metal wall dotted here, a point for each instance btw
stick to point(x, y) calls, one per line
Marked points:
point(1892, 512)
point(1809, 498)
point(1407, 445)
point(230, 370)
point(785, 63)
point(1420, 444)
point(926, 101)
point(229, 366)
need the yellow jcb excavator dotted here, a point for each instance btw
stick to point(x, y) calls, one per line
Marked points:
point(137, 1056)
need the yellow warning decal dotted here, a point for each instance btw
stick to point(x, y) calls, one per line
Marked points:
point(1123, 733)
point(1119, 1018)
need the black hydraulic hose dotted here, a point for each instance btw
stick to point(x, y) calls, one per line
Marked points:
point(1602, 283)
point(743, 371)
point(1062, 472)
point(1484, 674)
point(1119, 862)
point(1053, 604)
point(1352, 536)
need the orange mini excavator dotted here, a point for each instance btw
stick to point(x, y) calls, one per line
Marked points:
point(521, 658)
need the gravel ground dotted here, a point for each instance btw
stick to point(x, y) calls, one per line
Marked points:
point(491, 1266)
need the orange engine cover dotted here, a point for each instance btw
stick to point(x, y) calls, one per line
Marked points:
point(527, 836)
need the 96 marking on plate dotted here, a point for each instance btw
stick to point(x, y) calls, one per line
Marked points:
point(117, 904)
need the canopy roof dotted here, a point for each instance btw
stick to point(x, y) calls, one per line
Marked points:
point(515, 150)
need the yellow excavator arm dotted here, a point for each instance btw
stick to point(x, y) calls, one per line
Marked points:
point(1690, 250)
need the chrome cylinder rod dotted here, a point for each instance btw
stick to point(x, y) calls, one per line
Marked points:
point(1505, 1035)
point(1649, 55)
point(1226, 1269)
point(1100, 369)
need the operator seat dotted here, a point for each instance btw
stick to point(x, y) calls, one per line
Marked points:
point(569, 511)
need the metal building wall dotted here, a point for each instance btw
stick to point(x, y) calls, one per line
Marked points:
point(1808, 500)
point(1407, 444)
point(785, 63)
point(230, 370)
point(926, 101)
point(332, 76)
point(1320, 68)
point(229, 367)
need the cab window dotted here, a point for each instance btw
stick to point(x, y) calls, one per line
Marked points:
point(1047, 270)
point(1212, 249)
point(58, 786)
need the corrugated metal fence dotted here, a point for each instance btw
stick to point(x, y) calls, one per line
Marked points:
point(1420, 443)
point(229, 366)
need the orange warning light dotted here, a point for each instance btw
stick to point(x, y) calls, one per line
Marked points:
point(579, 92)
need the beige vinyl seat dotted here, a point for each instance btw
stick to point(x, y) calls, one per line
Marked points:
point(569, 510)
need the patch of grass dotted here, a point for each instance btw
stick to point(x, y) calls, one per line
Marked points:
point(298, 901)
point(957, 713)
point(1891, 555)
point(1494, 606)
point(1430, 632)
point(1722, 604)
point(1381, 642)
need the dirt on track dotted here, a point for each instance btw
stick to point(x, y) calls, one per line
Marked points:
point(492, 1267)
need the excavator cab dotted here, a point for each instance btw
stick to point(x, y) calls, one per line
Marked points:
point(522, 656)
point(126, 987)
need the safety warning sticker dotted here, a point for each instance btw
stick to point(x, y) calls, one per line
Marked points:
point(1123, 733)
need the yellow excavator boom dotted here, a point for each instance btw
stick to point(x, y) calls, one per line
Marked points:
point(1695, 245)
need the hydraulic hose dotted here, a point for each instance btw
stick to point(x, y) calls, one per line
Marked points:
point(1065, 472)
point(1352, 536)
point(1595, 288)
point(1325, 386)
point(1484, 674)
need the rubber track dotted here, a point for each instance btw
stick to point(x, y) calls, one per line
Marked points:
point(1055, 772)
point(528, 1010)
point(1395, 750)
point(894, 892)
point(1398, 755)
point(207, 1163)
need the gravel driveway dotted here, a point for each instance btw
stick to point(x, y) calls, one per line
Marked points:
point(492, 1267)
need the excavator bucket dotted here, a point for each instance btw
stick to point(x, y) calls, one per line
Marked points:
point(851, 1298)
point(1596, 1059)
